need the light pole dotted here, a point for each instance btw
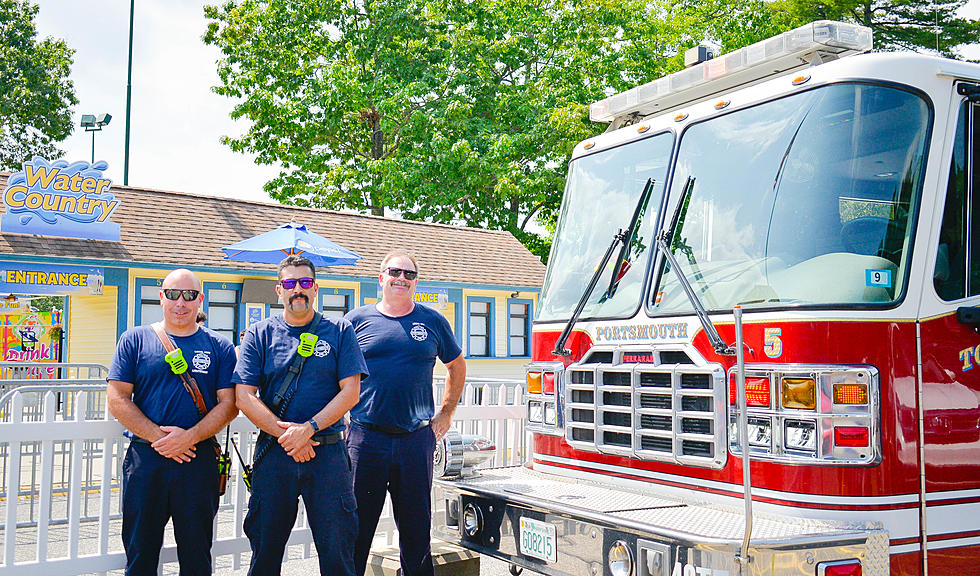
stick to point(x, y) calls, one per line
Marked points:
point(129, 91)
point(93, 124)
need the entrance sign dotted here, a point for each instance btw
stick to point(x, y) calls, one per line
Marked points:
point(433, 297)
point(60, 199)
point(22, 278)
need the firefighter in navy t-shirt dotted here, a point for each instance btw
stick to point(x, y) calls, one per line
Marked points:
point(394, 427)
point(302, 452)
point(171, 468)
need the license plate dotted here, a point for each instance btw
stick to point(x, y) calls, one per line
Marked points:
point(539, 539)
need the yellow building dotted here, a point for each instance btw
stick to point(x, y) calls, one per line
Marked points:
point(485, 282)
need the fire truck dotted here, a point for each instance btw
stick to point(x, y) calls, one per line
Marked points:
point(756, 349)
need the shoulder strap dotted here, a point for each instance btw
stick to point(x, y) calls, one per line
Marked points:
point(190, 384)
point(295, 367)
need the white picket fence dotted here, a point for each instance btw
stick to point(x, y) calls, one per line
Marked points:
point(61, 459)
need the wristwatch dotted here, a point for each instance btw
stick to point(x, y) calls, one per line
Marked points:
point(315, 427)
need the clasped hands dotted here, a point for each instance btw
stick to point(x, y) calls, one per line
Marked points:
point(297, 440)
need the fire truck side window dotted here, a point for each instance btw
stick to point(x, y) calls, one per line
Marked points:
point(957, 273)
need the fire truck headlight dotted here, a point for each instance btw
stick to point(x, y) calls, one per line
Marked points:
point(550, 414)
point(472, 520)
point(620, 559)
point(535, 412)
point(760, 432)
point(800, 435)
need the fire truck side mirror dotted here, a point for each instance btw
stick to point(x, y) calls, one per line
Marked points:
point(969, 316)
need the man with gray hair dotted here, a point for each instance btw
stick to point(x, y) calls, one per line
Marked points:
point(395, 427)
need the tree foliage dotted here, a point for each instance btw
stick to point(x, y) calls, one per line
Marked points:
point(450, 111)
point(917, 25)
point(36, 94)
point(442, 110)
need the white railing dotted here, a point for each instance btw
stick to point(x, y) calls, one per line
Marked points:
point(61, 458)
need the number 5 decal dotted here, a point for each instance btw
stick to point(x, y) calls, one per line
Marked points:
point(774, 346)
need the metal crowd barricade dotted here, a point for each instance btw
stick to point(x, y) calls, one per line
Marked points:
point(62, 469)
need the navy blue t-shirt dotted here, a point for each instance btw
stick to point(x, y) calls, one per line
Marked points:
point(157, 391)
point(268, 349)
point(400, 353)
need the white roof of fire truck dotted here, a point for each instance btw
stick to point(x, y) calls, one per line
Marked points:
point(803, 47)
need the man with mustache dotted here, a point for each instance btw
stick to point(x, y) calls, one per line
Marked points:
point(171, 468)
point(301, 451)
point(394, 427)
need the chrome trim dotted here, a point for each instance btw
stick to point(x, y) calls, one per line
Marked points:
point(557, 401)
point(649, 411)
point(825, 415)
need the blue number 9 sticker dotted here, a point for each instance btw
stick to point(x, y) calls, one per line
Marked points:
point(773, 344)
point(881, 278)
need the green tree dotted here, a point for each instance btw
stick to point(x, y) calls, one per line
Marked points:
point(918, 25)
point(445, 110)
point(36, 94)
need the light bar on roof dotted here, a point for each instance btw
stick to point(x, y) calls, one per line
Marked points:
point(789, 50)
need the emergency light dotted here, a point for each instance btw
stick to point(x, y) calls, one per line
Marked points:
point(807, 45)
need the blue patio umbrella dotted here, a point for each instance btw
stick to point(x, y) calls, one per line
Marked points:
point(290, 239)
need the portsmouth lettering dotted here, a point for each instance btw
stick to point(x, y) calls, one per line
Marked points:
point(644, 332)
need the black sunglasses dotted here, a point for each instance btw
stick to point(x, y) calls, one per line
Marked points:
point(396, 272)
point(290, 283)
point(189, 295)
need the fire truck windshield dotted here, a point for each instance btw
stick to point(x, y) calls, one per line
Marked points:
point(804, 200)
point(601, 194)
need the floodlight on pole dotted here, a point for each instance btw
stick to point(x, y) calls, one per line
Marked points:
point(94, 123)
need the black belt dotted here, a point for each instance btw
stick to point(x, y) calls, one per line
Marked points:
point(328, 437)
point(393, 430)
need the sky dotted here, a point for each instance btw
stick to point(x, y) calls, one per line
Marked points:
point(177, 121)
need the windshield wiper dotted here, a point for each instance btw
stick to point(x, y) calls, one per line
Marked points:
point(622, 265)
point(666, 241)
point(621, 235)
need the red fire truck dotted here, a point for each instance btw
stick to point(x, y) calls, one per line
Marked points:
point(756, 349)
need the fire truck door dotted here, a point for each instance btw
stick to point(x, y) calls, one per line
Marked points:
point(950, 347)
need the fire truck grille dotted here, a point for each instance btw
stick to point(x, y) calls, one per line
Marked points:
point(651, 422)
point(661, 412)
point(698, 449)
point(661, 401)
point(657, 444)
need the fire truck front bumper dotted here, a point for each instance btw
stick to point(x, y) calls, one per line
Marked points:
point(565, 527)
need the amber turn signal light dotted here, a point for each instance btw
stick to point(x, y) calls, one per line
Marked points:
point(799, 393)
point(850, 394)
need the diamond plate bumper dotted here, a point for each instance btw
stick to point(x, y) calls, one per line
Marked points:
point(667, 537)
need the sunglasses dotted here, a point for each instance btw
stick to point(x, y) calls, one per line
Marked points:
point(173, 294)
point(396, 272)
point(290, 283)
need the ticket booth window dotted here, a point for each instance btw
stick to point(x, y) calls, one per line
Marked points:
point(150, 309)
point(223, 312)
point(519, 325)
point(335, 305)
point(479, 327)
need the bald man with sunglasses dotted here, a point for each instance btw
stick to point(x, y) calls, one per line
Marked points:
point(171, 468)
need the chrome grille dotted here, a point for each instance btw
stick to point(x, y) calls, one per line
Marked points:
point(664, 412)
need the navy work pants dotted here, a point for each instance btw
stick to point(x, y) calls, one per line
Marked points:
point(402, 466)
point(325, 485)
point(157, 489)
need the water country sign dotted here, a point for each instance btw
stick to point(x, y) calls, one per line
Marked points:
point(60, 199)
